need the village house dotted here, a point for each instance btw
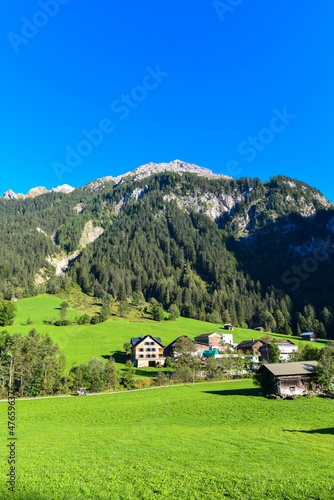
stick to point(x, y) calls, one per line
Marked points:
point(288, 378)
point(211, 340)
point(147, 351)
point(285, 346)
point(227, 338)
point(311, 336)
point(170, 348)
point(252, 346)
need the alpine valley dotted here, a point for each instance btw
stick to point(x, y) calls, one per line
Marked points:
point(243, 251)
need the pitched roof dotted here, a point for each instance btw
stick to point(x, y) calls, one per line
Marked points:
point(249, 343)
point(308, 333)
point(203, 335)
point(181, 337)
point(296, 368)
point(137, 340)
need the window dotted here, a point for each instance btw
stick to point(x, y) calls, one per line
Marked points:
point(141, 349)
point(141, 355)
point(154, 349)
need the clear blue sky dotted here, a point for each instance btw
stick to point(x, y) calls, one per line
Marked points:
point(199, 82)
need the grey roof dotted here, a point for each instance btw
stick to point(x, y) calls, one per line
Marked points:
point(137, 340)
point(308, 333)
point(296, 368)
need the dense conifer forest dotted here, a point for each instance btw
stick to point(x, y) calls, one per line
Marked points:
point(267, 261)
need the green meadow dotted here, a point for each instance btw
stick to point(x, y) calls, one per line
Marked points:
point(80, 343)
point(213, 441)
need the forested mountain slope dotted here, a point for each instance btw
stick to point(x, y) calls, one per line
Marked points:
point(239, 250)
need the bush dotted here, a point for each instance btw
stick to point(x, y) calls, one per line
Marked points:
point(142, 383)
point(84, 319)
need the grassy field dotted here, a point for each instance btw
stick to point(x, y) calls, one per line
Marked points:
point(213, 441)
point(80, 343)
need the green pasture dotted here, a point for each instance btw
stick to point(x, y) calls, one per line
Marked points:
point(80, 343)
point(213, 441)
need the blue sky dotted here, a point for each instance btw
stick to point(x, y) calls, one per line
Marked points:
point(99, 88)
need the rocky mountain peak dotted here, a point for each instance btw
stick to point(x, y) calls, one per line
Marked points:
point(174, 166)
point(37, 191)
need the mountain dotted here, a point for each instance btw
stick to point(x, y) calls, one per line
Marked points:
point(37, 191)
point(246, 251)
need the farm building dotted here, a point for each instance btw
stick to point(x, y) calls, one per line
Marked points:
point(228, 326)
point(287, 378)
point(250, 346)
point(259, 329)
point(311, 336)
point(147, 351)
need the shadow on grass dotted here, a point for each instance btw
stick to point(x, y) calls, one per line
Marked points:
point(328, 430)
point(119, 356)
point(236, 392)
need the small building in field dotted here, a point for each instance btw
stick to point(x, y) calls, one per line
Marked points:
point(311, 336)
point(227, 338)
point(259, 329)
point(147, 351)
point(228, 326)
point(288, 378)
point(211, 340)
point(252, 346)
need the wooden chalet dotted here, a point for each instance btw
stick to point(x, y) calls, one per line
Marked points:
point(252, 346)
point(311, 336)
point(228, 326)
point(288, 378)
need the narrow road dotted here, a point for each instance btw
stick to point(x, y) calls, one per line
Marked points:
point(122, 392)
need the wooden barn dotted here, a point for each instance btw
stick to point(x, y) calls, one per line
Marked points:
point(287, 378)
point(311, 336)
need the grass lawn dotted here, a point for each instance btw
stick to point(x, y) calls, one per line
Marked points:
point(80, 343)
point(212, 441)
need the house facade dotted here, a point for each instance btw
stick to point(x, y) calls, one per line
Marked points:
point(227, 338)
point(211, 340)
point(147, 351)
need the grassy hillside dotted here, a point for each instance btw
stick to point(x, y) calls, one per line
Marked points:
point(80, 343)
point(213, 441)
